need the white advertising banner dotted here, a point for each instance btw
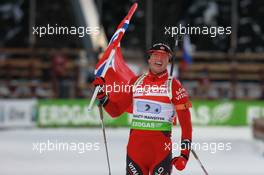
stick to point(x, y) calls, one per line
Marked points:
point(17, 112)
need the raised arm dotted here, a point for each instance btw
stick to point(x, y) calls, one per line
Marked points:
point(115, 107)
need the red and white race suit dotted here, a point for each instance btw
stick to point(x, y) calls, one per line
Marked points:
point(153, 100)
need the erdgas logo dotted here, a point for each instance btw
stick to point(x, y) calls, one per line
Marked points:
point(204, 114)
point(222, 112)
point(145, 125)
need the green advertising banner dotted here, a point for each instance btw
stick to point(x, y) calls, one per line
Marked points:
point(71, 112)
point(229, 112)
point(204, 112)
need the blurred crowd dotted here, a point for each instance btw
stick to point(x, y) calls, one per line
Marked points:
point(64, 75)
point(57, 72)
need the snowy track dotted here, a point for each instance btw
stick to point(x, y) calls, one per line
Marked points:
point(18, 158)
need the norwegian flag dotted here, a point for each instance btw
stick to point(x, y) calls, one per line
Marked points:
point(109, 56)
point(112, 65)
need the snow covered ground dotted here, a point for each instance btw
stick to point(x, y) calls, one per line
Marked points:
point(18, 156)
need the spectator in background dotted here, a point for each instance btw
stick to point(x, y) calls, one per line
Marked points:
point(97, 55)
point(204, 84)
point(86, 66)
point(59, 65)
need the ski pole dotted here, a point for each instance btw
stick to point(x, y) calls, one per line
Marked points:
point(198, 160)
point(105, 141)
point(173, 56)
point(171, 73)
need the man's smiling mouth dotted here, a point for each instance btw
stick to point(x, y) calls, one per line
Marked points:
point(158, 63)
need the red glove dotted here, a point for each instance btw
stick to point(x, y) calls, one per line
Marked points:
point(179, 162)
point(101, 96)
point(98, 81)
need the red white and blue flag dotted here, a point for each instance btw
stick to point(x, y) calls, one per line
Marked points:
point(112, 65)
point(187, 49)
point(186, 53)
point(109, 56)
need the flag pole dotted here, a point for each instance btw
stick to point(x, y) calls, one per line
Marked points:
point(103, 74)
point(116, 41)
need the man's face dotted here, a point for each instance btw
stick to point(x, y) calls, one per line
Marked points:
point(158, 62)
